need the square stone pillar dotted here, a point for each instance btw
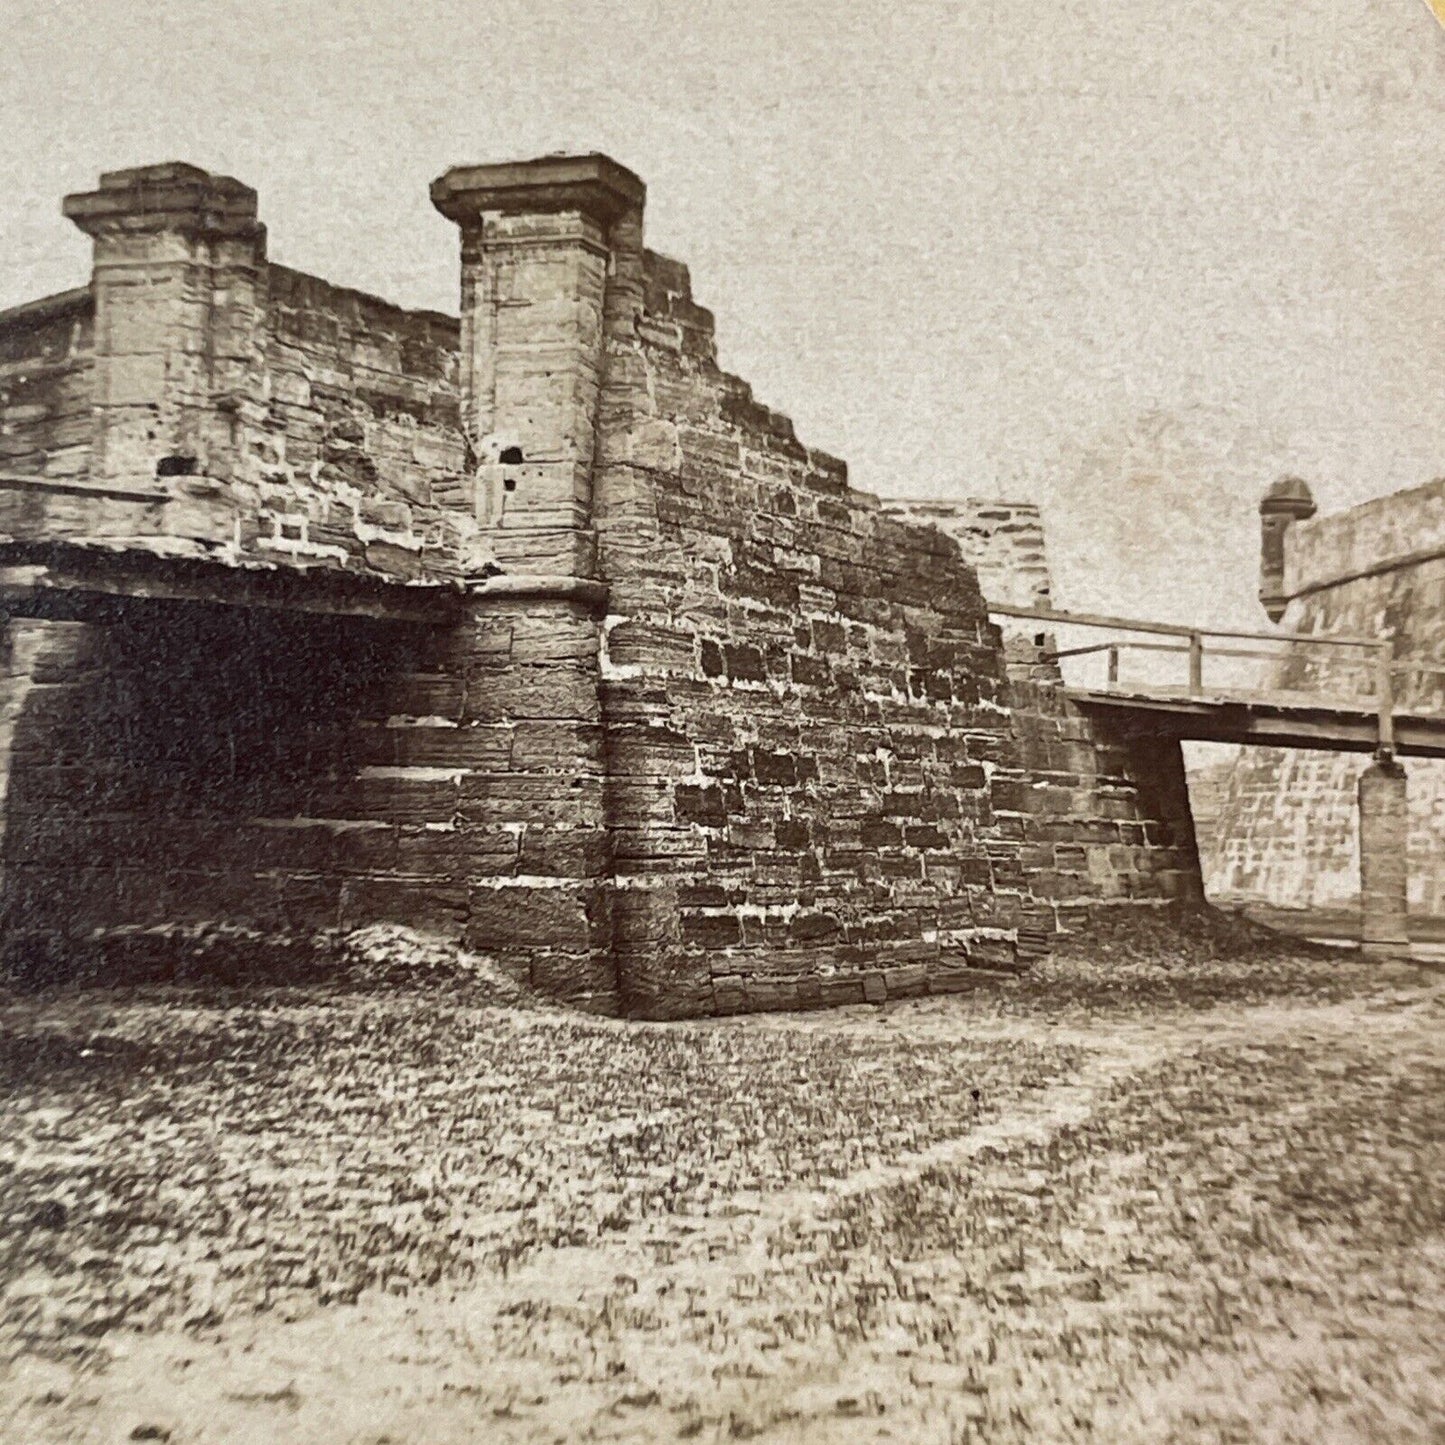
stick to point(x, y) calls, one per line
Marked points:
point(1384, 866)
point(549, 249)
point(538, 256)
point(178, 279)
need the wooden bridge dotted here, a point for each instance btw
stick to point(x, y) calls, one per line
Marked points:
point(1321, 713)
point(1325, 716)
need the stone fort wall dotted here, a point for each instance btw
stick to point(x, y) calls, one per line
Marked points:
point(197, 399)
point(704, 728)
point(46, 362)
point(1102, 821)
point(1288, 828)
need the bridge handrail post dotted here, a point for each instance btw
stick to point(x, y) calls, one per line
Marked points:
point(1196, 663)
point(1113, 665)
point(1385, 699)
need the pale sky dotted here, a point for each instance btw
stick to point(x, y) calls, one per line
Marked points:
point(1132, 259)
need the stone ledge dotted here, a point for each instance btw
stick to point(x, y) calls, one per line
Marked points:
point(588, 591)
point(84, 579)
point(82, 487)
point(595, 185)
point(172, 196)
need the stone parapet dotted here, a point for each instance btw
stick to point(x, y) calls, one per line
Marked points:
point(1288, 833)
point(47, 386)
point(1400, 530)
point(219, 403)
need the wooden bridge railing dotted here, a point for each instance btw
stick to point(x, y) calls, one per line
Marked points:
point(1379, 652)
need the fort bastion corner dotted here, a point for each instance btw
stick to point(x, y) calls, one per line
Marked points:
point(529, 628)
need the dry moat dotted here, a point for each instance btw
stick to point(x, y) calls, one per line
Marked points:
point(1158, 1190)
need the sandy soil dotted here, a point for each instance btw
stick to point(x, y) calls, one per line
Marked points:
point(1127, 1199)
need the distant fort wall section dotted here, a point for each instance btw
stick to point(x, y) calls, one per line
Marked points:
point(1287, 832)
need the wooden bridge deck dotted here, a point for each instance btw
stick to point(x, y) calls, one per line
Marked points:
point(1266, 719)
point(1328, 718)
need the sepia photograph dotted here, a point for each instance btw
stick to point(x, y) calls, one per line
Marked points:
point(722, 721)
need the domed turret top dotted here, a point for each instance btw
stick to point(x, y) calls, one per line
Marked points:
point(1291, 495)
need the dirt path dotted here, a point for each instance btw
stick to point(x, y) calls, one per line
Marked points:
point(1124, 1251)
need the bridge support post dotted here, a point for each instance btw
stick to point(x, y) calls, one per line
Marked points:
point(1384, 868)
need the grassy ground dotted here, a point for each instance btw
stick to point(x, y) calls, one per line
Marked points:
point(1163, 1189)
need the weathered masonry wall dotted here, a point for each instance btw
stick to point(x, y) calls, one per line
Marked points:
point(1102, 819)
point(358, 456)
point(702, 729)
point(1210, 769)
point(807, 707)
point(211, 404)
point(1002, 541)
point(160, 769)
point(294, 776)
point(1288, 832)
point(45, 389)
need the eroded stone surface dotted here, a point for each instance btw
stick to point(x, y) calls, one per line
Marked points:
point(706, 730)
